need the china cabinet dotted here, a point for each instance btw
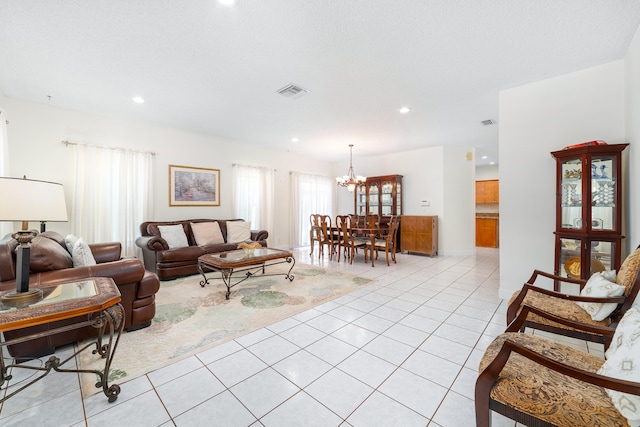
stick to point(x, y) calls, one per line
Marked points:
point(588, 209)
point(381, 195)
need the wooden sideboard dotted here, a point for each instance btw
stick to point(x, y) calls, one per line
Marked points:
point(419, 234)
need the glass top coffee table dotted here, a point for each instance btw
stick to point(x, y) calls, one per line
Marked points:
point(250, 263)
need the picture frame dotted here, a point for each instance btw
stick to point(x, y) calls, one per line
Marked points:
point(193, 186)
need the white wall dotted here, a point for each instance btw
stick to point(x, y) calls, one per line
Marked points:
point(36, 130)
point(487, 172)
point(441, 175)
point(534, 120)
point(632, 122)
point(458, 222)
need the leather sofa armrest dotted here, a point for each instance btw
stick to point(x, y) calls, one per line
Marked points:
point(122, 272)
point(154, 243)
point(106, 252)
point(257, 235)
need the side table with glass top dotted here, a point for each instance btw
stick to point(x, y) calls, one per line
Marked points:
point(98, 298)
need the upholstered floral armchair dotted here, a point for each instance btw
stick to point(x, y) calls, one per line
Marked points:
point(602, 302)
point(537, 381)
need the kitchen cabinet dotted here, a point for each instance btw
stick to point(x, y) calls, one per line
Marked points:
point(488, 191)
point(487, 232)
point(419, 234)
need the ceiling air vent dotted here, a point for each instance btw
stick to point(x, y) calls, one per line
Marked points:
point(292, 91)
point(488, 122)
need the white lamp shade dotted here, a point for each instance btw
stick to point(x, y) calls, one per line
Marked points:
point(31, 200)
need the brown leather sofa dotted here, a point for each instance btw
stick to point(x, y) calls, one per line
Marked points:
point(52, 263)
point(170, 264)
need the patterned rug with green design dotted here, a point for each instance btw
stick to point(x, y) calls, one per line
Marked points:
point(190, 318)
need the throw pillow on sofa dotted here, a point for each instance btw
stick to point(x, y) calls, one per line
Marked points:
point(238, 231)
point(174, 235)
point(207, 233)
point(81, 254)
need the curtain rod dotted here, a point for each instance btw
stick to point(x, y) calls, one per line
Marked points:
point(249, 166)
point(310, 174)
point(109, 148)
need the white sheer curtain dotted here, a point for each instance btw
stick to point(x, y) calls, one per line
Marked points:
point(309, 194)
point(113, 195)
point(253, 196)
point(5, 227)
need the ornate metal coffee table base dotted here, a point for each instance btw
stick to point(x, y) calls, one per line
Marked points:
point(251, 266)
point(111, 318)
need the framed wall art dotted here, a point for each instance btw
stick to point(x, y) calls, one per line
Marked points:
point(190, 186)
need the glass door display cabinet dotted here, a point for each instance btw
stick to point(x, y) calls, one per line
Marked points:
point(380, 195)
point(588, 209)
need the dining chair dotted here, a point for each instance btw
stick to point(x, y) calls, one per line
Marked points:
point(314, 231)
point(567, 318)
point(386, 242)
point(326, 236)
point(346, 238)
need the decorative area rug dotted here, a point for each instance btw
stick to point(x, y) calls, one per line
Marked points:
point(190, 318)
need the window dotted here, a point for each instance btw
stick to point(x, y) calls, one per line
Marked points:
point(253, 196)
point(113, 195)
point(310, 194)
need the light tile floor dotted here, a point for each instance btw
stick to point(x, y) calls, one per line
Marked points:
point(401, 351)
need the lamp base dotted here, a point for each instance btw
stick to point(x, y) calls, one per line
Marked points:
point(21, 299)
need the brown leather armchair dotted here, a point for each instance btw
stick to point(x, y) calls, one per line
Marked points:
point(52, 263)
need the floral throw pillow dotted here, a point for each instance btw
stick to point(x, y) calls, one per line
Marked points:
point(623, 362)
point(598, 286)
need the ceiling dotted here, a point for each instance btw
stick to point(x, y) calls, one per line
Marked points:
point(215, 70)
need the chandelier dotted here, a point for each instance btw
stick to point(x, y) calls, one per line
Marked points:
point(350, 180)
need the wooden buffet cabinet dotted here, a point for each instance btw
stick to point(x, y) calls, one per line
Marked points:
point(419, 234)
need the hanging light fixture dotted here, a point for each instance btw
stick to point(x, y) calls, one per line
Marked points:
point(350, 180)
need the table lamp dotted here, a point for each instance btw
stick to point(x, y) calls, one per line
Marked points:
point(28, 200)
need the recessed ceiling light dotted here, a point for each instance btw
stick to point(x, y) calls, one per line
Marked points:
point(227, 2)
point(484, 157)
point(492, 163)
point(294, 139)
point(137, 99)
point(405, 110)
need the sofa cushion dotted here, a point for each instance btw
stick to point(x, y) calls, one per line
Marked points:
point(623, 362)
point(173, 235)
point(81, 254)
point(238, 231)
point(48, 255)
point(599, 286)
point(207, 233)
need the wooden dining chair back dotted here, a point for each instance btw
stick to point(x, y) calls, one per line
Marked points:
point(347, 240)
point(326, 236)
point(566, 317)
point(314, 231)
point(386, 242)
